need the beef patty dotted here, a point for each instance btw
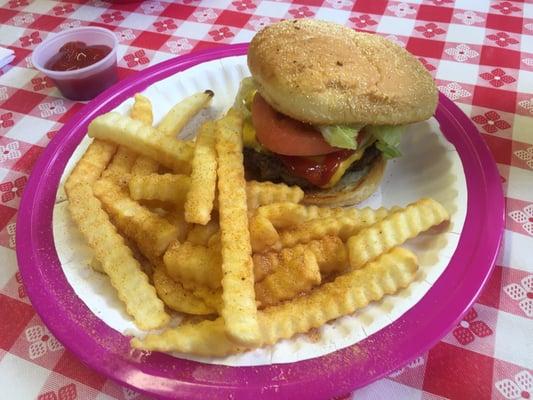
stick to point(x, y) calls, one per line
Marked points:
point(268, 167)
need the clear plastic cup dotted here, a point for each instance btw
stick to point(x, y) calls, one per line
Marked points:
point(84, 83)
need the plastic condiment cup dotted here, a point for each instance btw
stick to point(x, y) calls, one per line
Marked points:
point(84, 83)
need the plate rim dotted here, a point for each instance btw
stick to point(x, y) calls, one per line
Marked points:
point(108, 352)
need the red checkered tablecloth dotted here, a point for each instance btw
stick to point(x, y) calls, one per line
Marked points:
point(481, 55)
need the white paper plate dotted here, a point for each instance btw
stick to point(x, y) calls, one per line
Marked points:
point(429, 167)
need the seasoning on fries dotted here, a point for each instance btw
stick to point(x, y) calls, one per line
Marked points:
point(239, 310)
point(201, 194)
point(172, 153)
point(247, 259)
point(109, 248)
point(347, 293)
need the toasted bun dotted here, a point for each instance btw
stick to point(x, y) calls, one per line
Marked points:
point(323, 73)
point(353, 188)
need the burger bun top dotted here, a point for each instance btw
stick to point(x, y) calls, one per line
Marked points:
point(327, 74)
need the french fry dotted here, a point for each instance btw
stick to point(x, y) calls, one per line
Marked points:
point(211, 297)
point(341, 222)
point(152, 233)
point(194, 263)
point(117, 260)
point(179, 115)
point(145, 265)
point(287, 214)
point(176, 297)
point(330, 253)
point(201, 194)
point(207, 338)
point(239, 308)
point(91, 164)
point(201, 234)
point(165, 187)
point(394, 230)
point(307, 222)
point(142, 110)
point(201, 265)
point(115, 257)
point(342, 226)
point(214, 241)
point(265, 264)
point(263, 234)
point(172, 153)
point(88, 170)
point(257, 192)
point(144, 166)
point(284, 215)
point(119, 169)
point(262, 193)
point(177, 218)
point(96, 265)
point(347, 293)
point(298, 274)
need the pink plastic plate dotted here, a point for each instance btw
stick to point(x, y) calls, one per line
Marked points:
point(161, 375)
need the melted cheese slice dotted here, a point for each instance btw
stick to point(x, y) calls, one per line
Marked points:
point(343, 167)
point(248, 136)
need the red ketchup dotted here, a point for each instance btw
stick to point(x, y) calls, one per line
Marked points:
point(75, 56)
point(317, 170)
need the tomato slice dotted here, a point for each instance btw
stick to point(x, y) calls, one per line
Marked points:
point(317, 170)
point(284, 135)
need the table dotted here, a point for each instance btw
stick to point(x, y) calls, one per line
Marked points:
point(481, 54)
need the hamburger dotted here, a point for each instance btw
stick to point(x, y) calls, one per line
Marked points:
point(326, 106)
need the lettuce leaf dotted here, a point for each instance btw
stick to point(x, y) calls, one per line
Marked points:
point(341, 136)
point(243, 101)
point(388, 138)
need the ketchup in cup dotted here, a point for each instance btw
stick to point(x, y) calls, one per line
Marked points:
point(76, 55)
point(82, 62)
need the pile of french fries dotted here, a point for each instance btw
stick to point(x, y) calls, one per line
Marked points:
point(176, 228)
